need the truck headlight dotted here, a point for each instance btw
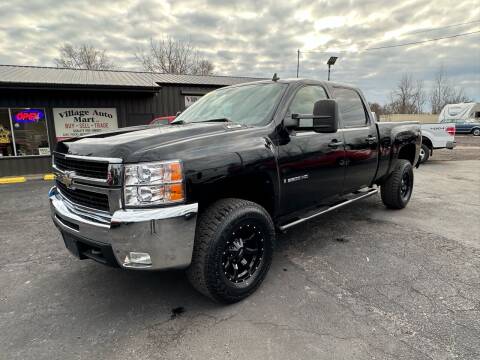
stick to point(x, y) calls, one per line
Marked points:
point(155, 183)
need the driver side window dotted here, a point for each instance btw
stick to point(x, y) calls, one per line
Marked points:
point(303, 103)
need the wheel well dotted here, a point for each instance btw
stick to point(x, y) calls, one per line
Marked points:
point(407, 152)
point(427, 142)
point(473, 129)
point(258, 189)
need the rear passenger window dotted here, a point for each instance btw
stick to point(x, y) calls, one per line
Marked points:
point(351, 108)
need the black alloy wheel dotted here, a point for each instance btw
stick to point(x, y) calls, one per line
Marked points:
point(244, 251)
point(397, 190)
point(233, 249)
point(406, 186)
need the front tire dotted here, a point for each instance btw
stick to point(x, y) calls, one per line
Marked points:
point(397, 189)
point(476, 132)
point(424, 153)
point(233, 250)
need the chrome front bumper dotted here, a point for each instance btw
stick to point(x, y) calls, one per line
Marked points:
point(166, 234)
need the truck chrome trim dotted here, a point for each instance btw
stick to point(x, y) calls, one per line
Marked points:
point(136, 215)
point(84, 211)
point(110, 160)
point(114, 196)
point(166, 234)
point(346, 202)
point(114, 176)
point(61, 209)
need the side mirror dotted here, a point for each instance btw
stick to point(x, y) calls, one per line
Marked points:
point(325, 117)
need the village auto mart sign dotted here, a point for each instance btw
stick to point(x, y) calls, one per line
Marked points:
point(74, 122)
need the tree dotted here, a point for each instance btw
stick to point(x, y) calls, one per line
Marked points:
point(84, 56)
point(443, 92)
point(376, 108)
point(172, 56)
point(408, 98)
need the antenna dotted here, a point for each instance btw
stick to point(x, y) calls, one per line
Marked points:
point(275, 77)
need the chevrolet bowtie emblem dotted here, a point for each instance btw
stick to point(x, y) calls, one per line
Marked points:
point(67, 178)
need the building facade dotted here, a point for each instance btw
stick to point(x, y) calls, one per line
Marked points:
point(41, 106)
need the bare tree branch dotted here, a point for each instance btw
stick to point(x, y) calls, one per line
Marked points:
point(408, 98)
point(443, 92)
point(172, 56)
point(84, 56)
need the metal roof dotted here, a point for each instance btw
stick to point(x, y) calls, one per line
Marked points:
point(14, 75)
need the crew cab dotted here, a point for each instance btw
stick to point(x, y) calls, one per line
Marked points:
point(208, 192)
point(435, 137)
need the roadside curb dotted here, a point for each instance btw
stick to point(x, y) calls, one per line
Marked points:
point(21, 179)
point(12, 180)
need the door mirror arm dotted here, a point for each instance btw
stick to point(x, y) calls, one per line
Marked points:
point(325, 117)
point(291, 122)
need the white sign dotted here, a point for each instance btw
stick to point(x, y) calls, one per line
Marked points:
point(191, 99)
point(74, 122)
point(43, 151)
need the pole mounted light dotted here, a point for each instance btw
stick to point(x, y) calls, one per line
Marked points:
point(331, 62)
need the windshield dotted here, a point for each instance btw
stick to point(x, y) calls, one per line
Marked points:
point(247, 105)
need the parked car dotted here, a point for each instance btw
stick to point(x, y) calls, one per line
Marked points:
point(465, 116)
point(162, 120)
point(209, 192)
point(436, 136)
point(469, 126)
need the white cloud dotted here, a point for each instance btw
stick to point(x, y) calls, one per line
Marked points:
point(259, 38)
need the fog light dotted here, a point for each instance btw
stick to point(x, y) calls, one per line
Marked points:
point(137, 258)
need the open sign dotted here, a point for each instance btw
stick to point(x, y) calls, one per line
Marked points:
point(29, 116)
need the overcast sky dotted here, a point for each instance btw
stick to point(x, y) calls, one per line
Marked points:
point(258, 38)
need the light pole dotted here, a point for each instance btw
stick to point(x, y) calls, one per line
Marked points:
point(331, 62)
point(298, 61)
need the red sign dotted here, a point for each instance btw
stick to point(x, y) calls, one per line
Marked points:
point(29, 116)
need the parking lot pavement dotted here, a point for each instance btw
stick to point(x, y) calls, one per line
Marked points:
point(359, 283)
point(467, 148)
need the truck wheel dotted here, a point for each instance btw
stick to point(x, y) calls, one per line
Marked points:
point(424, 153)
point(476, 132)
point(233, 250)
point(397, 189)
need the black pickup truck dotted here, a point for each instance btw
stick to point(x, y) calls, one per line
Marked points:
point(208, 192)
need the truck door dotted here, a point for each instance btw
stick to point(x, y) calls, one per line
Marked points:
point(311, 164)
point(360, 137)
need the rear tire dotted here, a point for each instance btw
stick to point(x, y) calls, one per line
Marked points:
point(424, 153)
point(397, 189)
point(233, 250)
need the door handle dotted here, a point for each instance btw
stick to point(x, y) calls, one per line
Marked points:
point(371, 139)
point(334, 144)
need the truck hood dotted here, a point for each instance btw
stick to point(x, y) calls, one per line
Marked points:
point(131, 143)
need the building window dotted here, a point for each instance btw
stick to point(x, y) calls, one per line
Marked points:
point(6, 141)
point(23, 132)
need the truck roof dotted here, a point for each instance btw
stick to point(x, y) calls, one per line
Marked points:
point(302, 81)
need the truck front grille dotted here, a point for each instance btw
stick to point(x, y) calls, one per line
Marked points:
point(91, 169)
point(89, 199)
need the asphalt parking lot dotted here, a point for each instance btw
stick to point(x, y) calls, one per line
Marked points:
point(362, 282)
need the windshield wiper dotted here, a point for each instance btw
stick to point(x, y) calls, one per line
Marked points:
point(224, 119)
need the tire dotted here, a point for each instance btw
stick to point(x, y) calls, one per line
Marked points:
point(424, 154)
point(476, 132)
point(397, 193)
point(217, 250)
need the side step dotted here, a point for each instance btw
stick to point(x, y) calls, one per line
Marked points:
point(358, 196)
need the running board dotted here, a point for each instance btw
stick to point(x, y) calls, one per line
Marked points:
point(331, 208)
